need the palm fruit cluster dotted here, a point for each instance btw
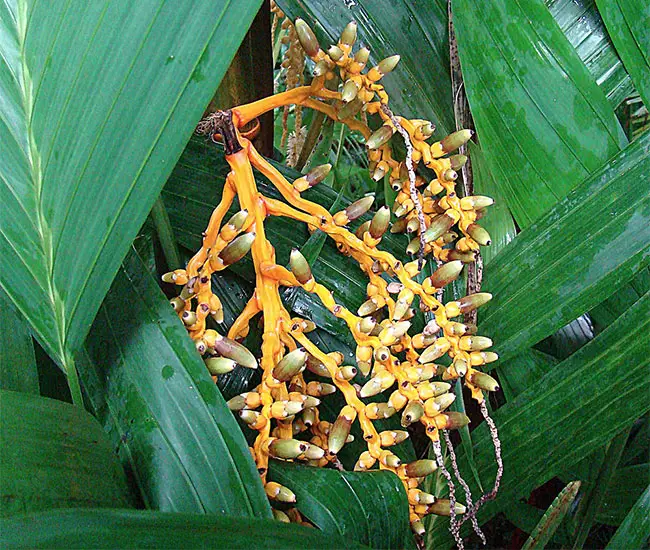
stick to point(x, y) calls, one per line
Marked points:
point(413, 370)
point(442, 209)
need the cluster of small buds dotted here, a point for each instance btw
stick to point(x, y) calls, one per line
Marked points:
point(414, 370)
point(402, 365)
point(441, 209)
point(197, 301)
point(359, 89)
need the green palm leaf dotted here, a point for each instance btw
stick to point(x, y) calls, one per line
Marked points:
point(165, 416)
point(599, 390)
point(98, 100)
point(586, 247)
point(54, 455)
point(542, 121)
point(628, 22)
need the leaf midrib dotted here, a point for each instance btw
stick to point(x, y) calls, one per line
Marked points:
point(32, 157)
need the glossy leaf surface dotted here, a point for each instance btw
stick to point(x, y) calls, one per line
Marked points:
point(369, 508)
point(543, 123)
point(165, 416)
point(18, 370)
point(55, 455)
point(99, 99)
point(583, 26)
point(145, 529)
point(628, 23)
point(498, 220)
point(584, 249)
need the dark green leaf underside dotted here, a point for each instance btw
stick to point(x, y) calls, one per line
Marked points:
point(144, 529)
point(55, 455)
point(164, 414)
point(369, 508)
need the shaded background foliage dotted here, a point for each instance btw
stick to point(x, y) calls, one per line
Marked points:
point(103, 190)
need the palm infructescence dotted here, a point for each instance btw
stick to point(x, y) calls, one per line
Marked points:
point(358, 340)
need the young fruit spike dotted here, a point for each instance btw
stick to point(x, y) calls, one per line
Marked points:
point(300, 267)
point(311, 178)
point(349, 34)
point(307, 38)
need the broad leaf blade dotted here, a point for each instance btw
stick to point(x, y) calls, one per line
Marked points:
point(100, 100)
point(537, 429)
point(144, 529)
point(369, 508)
point(623, 491)
point(166, 418)
point(628, 23)
point(18, 371)
point(584, 28)
point(584, 249)
point(543, 123)
point(498, 221)
point(54, 455)
point(635, 529)
point(522, 371)
point(605, 313)
point(420, 86)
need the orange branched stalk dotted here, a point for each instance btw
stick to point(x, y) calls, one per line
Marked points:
point(283, 409)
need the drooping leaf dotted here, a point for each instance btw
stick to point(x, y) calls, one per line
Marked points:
point(584, 28)
point(635, 530)
point(54, 455)
point(584, 249)
point(147, 529)
point(543, 122)
point(167, 420)
point(498, 221)
point(589, 392)
point(420, 86)
point(98, 102)
point(624, 490)
point(552, 518)
point(18, 370)
point(628, 22)
point(605, 313)
point(522, 371)
point(369, 508)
